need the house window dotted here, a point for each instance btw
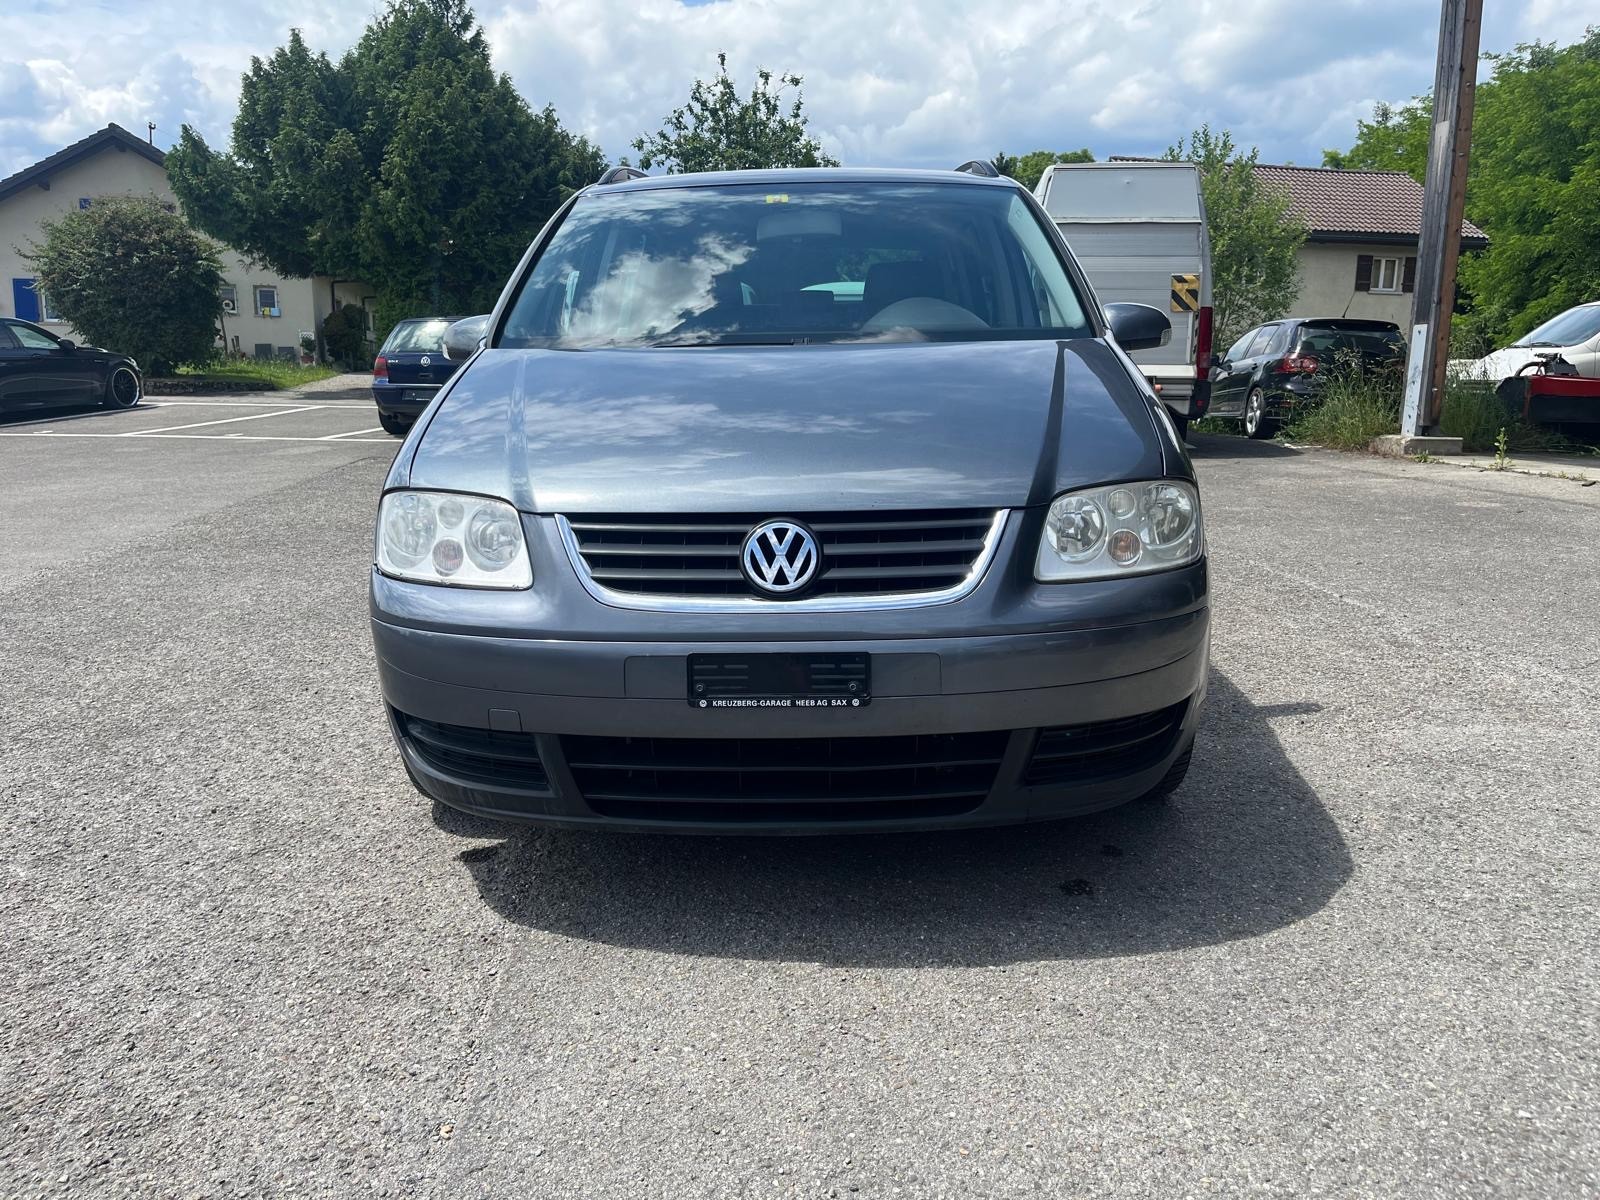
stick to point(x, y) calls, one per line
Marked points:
point(84, 202)
point(266, 301)
point(1387, 274)
point(230, 300)
point(47, 311)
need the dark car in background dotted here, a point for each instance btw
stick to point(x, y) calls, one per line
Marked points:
point(1278, 368)
point(795, 501)
point(409, 370)
point(40, 370)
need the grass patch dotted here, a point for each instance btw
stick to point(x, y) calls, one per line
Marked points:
point(269, 376)
point(1473, 413)
point(1352, 409)
point(1217, 425)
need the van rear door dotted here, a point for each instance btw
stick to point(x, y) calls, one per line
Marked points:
point(1139, 232)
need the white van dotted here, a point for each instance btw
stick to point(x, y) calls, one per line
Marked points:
point(1138, 229)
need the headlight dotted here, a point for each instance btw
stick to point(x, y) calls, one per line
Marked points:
point(443, 537)
point(1126, 529)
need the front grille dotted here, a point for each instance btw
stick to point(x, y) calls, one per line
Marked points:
point(772, 779)
point(863, 553)
point(486, 756)
point(1104, 750)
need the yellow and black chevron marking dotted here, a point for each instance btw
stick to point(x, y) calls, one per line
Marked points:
point(1186, 293)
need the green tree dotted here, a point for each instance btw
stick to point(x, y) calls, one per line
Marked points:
point(344, 333)
point(1254, 236)
point(1533, 183)
point(717, 131)
point(131, 275)
point(1396, 139)
point(267, 197)
point(1027, 169)
point(409, 163)
point(1533, 174)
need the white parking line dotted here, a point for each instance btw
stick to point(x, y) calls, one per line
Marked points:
point(248, 404)
point(224, 421)
point(203, 437)
point(334, 437)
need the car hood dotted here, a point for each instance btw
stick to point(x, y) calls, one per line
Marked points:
point(819, 428)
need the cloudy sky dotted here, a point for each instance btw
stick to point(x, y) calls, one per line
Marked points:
point(886, 82)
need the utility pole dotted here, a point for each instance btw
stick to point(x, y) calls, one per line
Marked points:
point(1443, 207)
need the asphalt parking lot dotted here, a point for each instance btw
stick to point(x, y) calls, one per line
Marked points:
point(1356, 955)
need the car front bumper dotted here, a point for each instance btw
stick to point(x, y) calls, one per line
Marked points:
point(594, 727)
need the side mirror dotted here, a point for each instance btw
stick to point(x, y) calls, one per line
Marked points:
point(1138, 326)
point(461, 340)
point(1218, 361)
point(65, 346)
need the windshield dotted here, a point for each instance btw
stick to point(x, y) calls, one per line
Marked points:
point(417, 335)
point(1571, 327)
point(750, 264)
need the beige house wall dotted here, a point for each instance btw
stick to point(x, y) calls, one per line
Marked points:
point(1328, 284)
point(121, 172)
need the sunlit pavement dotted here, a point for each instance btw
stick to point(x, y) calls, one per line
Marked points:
point(1354, 956)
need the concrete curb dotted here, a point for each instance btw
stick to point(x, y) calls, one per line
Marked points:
point(1400, 445)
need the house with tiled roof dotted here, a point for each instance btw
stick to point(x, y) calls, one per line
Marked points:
point(1360, 253)
point(1362, 228)
point(264, 314)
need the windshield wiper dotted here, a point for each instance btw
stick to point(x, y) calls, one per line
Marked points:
point(1526, 345)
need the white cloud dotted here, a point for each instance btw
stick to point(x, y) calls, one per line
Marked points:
point(885, 82)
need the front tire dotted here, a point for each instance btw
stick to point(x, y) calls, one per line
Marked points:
point(122, 388)
point(1256, 422)
point(399, 426)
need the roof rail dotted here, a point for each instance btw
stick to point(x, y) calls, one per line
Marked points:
point(979, 166)
point(618, 174)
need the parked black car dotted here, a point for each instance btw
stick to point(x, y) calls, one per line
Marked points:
point(409, 370)
point(1277, 368)
point(40, 370)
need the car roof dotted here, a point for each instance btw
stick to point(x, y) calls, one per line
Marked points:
point(1351, 323)
point(797, 175)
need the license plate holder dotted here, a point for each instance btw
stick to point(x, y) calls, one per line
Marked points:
point(807, 682)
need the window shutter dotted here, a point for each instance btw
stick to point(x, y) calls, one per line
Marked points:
point(1363, 272)
point(1410, 284)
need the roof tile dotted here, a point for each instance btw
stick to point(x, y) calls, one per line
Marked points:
point(1329, 200)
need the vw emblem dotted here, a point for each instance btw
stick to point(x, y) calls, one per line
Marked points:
point(426, 361)
point(780, 557)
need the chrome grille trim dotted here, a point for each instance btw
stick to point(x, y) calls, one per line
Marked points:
point(747, 604)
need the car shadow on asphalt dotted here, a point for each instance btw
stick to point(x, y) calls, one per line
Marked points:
point(1221, 445)
point(1244, 847)
point(31, 417)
